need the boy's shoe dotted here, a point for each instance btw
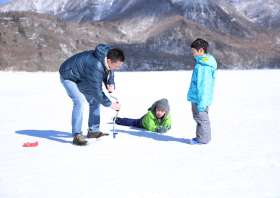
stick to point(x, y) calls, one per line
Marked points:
point(79, 140)
point(194, 141)
point(96, 134)
point(117, 120)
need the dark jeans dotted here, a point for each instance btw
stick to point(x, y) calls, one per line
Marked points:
point(129, 122)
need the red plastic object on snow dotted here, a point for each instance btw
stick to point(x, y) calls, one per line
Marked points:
point(30, 144)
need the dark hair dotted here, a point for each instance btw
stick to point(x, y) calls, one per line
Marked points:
point(200, 43)
point(115, 55)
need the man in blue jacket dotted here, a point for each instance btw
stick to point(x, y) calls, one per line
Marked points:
point(201, 89)
point(82, 76)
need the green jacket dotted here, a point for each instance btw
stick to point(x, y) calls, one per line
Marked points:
point(151, 123)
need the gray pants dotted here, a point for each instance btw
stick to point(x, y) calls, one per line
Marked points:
point(203, 129)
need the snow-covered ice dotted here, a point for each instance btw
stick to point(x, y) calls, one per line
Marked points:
point(242, 160)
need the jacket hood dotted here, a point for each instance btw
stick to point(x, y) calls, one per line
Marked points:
point(161, 104)
point(101, 52)
point(206, 60)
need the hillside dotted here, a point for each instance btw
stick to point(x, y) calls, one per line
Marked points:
point(154, 34)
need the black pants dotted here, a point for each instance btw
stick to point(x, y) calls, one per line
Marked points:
point(130, 122)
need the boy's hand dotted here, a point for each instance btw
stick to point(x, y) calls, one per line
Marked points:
point(161, 129)
point(111, 88)
point(116, 106)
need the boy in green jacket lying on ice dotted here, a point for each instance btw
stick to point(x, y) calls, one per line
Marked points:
point(157, 119)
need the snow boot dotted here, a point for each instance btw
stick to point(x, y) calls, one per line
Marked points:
point(79, 140)
point(194, 141)
point(96, 134)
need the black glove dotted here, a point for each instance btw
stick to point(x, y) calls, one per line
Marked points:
point(162, 129)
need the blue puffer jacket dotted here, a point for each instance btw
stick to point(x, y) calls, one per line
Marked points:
point(88, 70)
point(203, 81)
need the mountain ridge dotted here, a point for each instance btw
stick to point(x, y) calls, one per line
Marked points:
point(153, 37)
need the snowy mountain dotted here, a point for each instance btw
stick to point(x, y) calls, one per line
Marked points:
point(264, 13)
point(240, 37)
point(48, 6)
point(261, 12)
point(67, 9)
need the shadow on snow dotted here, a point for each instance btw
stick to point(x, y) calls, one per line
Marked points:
point(155, 136)
point(58, 136)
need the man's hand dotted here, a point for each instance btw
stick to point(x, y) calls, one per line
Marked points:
point(111, 88)
point(116, 106)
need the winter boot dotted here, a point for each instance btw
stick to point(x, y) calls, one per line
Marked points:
point(194, 141)
point(96, 134)
point(79, 140)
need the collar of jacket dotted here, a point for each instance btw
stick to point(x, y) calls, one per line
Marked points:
point(106, 64)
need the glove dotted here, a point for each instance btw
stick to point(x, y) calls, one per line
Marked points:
point(161, 129)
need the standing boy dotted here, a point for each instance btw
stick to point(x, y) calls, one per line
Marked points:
point(82, 76)
point(201, 89)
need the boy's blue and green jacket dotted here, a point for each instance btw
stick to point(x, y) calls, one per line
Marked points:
point(202, 82)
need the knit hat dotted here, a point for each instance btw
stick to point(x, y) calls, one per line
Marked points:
point(161, 104)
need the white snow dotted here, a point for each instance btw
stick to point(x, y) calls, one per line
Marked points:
point(65, 49)
point(242, 160)
point(102, 8)
point(41, 6)
point(57, 7)
point(144, 25)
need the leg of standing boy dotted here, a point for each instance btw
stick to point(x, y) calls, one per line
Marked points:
point(203, 128)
